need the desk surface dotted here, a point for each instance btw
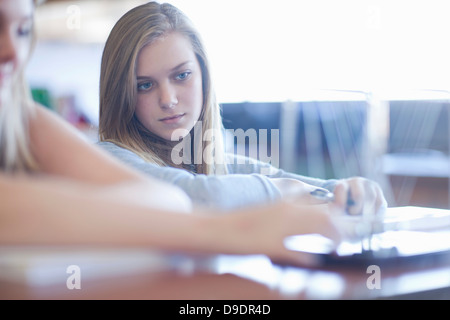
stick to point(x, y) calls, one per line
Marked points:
point(44, 273)
point(253, 277)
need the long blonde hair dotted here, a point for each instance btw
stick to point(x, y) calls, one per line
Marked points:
point(118, 88)
point(15, 110)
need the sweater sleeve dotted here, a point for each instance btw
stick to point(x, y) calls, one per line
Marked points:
point(223, 192)
point(246, 165)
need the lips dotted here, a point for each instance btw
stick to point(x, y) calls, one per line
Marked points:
point(4, 77)
point(6, 72)
point(173, 119)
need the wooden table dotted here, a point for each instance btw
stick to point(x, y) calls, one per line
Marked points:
point(246, 277)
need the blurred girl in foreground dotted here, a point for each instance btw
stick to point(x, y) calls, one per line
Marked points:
point(56, 188)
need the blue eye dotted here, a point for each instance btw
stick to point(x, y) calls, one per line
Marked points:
point(24, 32)
point(25, 29)
point(183, 75)
point(145, 86)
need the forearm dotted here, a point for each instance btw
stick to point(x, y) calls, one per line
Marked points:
point(245, 165)
point(37, 211)
point(57, 214)
point(224, 192)
point(229, 192)
point(148, 193)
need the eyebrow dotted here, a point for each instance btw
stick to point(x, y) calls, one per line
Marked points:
point(171, 70)
point(24, 17)
point(20, 19)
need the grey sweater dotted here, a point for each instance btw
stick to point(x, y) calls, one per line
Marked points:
point(244, 185)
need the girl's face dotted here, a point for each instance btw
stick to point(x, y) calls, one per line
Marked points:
point(16, 25)
point(169, 81)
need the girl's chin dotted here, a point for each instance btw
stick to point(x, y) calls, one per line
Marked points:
point(174, 137)
point(177, 135)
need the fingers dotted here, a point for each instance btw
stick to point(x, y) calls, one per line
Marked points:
point(265, 229)
point(303, 259)
point(314, 219)
point(354, 195)
point(359, 196)
point(308, 220)
point(341, 194)
point(381, 203)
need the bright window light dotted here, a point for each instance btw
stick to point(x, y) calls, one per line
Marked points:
point(268, 51)
point(273, 50)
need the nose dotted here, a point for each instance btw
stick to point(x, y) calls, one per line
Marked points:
point(8, 52)
point(168, 96)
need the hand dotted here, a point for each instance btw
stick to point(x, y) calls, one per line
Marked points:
point(297, 191)
point(359, 196)
point(263, 230)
